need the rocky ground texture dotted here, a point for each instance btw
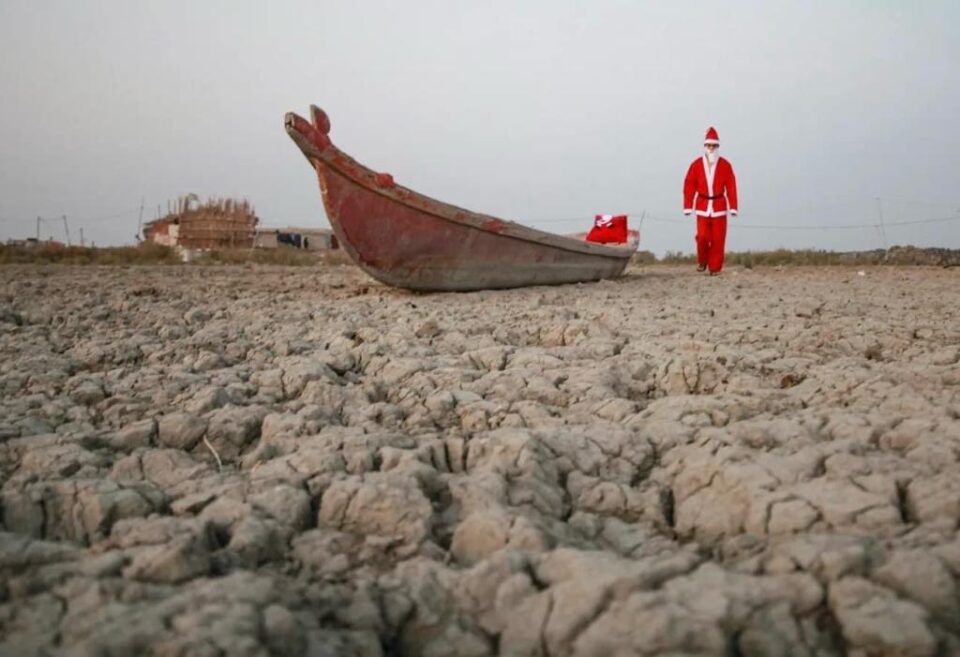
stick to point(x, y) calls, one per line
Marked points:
point(299, 461)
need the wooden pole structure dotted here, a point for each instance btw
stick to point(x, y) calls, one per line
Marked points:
point(81, 236)
point(38, 229)
point(882, 228)
point(140, 220)
point(66, 229)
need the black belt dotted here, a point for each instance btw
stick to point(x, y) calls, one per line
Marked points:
point(710, 198)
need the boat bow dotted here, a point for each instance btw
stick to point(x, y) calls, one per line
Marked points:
point(406, 239)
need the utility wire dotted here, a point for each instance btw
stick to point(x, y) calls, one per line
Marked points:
point(736, 224)
point(643, 215)
point(648, 216)
point(115, 215)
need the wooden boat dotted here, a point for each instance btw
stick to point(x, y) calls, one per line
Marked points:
point(411, 241)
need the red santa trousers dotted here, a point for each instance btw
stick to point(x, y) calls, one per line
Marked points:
point(711, 236)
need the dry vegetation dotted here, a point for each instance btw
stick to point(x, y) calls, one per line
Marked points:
point(56, 253)
point(151, 254)
point(897, 255)
point(154, 254)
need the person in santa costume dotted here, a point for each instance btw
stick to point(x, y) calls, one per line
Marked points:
point(710, 189)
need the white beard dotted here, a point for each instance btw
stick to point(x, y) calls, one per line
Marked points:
point(711, 155)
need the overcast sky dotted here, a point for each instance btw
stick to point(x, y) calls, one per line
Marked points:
point(833, 113)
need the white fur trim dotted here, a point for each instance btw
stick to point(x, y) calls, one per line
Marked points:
point(710, 171)
point(715, 142)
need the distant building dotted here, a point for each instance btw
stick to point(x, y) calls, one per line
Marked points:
point(165, 231)
point(310, 239)
point(216, 224)
point(25, 243)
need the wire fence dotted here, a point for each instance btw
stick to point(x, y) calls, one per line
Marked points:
point(735, 223)
point(48, 227)
point(59, 218)
point(51, 225)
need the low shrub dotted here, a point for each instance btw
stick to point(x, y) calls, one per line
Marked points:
point(678, 258)
point(55, 253)
point(643, 258)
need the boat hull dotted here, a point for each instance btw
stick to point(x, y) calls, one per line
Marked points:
point(408, 240)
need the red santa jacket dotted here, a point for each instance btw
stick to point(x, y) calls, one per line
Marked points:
point(714, 194)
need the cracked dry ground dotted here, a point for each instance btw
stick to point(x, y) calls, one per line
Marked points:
point(270, 461)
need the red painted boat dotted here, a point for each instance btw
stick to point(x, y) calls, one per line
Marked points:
point(408, 240)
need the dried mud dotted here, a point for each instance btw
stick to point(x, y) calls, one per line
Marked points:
point(272, 461)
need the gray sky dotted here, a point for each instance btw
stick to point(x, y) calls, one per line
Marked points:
point(543, 111)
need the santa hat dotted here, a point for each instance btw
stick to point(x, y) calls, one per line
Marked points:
point(711, 137)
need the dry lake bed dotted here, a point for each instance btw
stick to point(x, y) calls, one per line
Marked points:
point(300, 461)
